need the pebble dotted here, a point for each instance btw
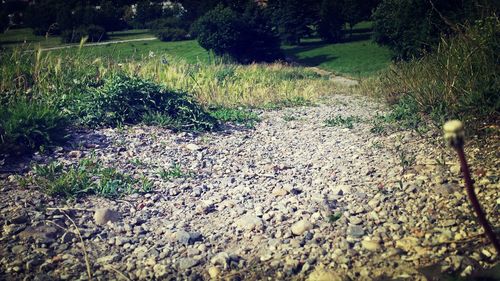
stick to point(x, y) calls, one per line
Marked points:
point(104, 215)
point(300, 227)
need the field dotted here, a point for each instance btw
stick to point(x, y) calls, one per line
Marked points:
point(358, 57)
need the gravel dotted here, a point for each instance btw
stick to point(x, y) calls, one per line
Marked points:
point(287, 200)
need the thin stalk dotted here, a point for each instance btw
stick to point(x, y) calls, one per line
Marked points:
point(473, 198)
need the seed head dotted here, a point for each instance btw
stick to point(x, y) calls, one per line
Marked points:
point(454, 133)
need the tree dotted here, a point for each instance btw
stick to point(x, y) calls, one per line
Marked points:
point(410, 27)
point(245, 37)
point(4, 20)
point(109, 16)
point(147, 11)
point(221, 30)
point(331, 20)
point(293, 18)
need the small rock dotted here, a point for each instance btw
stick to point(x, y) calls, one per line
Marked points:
point(322, 274)
point(355, 220)
point(188, 238)
point(301, 226)
point(221, 259)
point(75, 154)
point(160, 270)
point(214, 272)
point(356, 231)
point(193, 147)
point(249, 222)
point(279, 192)
point(105, 215)
point(187, 263)
point(370, 245)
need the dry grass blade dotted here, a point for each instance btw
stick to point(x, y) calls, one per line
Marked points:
point(109, 267)
point(87, 261)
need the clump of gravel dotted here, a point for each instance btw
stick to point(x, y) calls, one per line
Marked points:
point(292, 198)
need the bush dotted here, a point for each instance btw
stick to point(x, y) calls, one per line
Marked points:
point(171, 34)
point(25, 126)
point(4, 21)
point(221, 30)
point(94, 33)
point(245, 37)
point(126, 100)
point(459, 79)
point(412, 26)
point(331, 21)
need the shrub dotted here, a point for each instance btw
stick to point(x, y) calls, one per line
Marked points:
point(127, 100)
point(245, 37)
point(171, 34)
point(460, 78)
point(94, 33)
point(221, 30)
point(410, 26)
point(25, 126)
point(331, 21)
point(4, 21)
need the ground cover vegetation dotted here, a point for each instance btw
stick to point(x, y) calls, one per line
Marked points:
point(446, 72)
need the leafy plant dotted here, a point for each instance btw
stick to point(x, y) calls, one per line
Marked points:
point(235, 115)
point(82, 178)
point(171, 34)
point(26, 125)
point(334, 217)
point(346, 122)
point(173, 172)
point(126, 100)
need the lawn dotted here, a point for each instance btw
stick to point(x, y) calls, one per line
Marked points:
point(188, 50)
point(358, 57)
point(22, 36)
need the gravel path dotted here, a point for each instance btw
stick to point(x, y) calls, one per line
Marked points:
point(290, 199)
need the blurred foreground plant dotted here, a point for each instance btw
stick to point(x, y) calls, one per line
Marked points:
point(454, 136)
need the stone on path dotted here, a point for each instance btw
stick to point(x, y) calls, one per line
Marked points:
point(105, 215)
point(301, 226)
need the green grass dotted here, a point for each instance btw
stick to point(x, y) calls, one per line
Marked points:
point(87, 176)
point(174, 172)
point(130, 34)
point(24, 36)
point(236, 115)
point(360, 57)
point(189, 51)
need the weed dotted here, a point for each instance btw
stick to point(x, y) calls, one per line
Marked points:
point(334, 217)
point(136, 162)
point(235, 115)
point(126, 100)
point(174, 172)
point(459, 78)
point(26, 126)
point(377, 145)
point(289, 117)
point(406, 160)
point(347, 122)
point(85, 177)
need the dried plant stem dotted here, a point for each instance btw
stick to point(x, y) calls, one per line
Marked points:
point(473, 199)
point(109, 267)
point(87, 261)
